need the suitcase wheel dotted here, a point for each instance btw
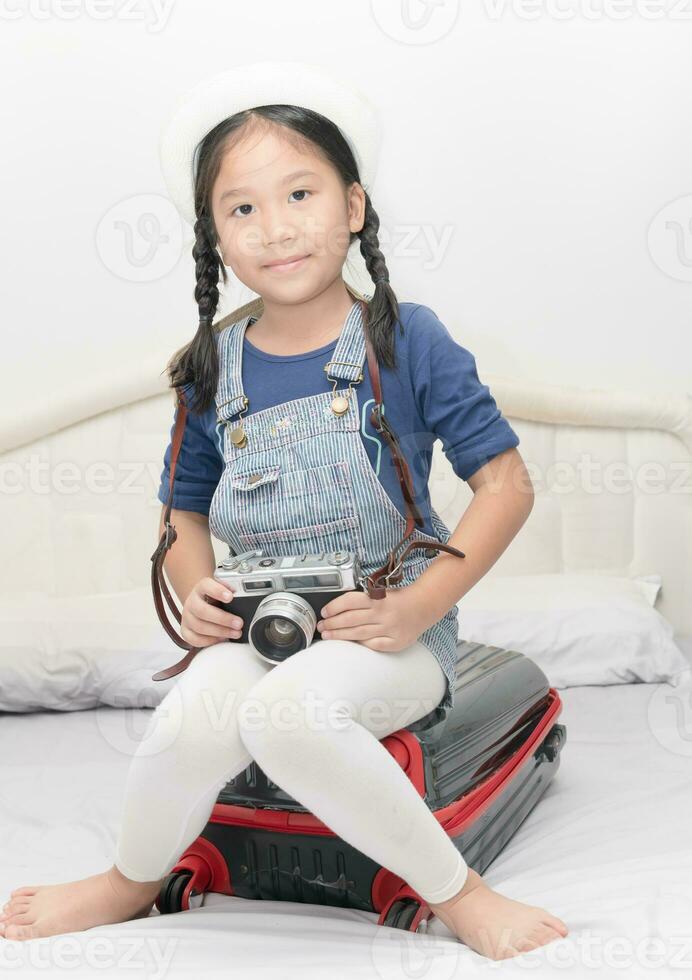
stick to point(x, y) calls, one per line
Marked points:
point(402, 913)
point(171, 892)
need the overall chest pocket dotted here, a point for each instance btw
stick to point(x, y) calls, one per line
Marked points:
point(288, 511)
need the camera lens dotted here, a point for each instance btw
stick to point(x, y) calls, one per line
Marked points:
point(281, 631)
point(283, 624)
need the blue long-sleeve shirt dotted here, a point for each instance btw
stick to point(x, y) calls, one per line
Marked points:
point(434, 393)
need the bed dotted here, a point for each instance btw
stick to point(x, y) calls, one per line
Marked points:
point(607, 848)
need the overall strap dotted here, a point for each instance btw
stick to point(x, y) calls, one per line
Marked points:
point(345, 365)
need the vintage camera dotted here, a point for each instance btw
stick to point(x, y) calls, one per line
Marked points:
point(280, 598)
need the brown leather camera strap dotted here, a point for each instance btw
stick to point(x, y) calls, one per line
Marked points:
point(376, 583)
point(392, 571)
point(158, 581)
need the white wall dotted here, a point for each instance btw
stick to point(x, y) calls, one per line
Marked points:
point(541, 146)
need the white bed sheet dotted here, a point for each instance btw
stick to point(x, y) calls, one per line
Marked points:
point(607, 849)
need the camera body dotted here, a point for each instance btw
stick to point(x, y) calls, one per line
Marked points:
point(280, 597)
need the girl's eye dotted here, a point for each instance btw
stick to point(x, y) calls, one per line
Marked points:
point(245, 213)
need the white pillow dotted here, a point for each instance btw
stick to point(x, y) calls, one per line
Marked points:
point(68, 653)
point(580, 628)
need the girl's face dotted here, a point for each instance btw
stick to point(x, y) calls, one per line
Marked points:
point(272, 202)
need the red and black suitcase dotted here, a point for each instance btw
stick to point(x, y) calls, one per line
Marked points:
point(481, 768)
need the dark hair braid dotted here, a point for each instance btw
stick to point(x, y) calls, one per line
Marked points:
point(383, 308)
point(198, 361)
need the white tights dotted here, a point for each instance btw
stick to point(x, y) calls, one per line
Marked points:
point(313, 724)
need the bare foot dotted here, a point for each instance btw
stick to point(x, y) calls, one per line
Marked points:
point(47, 910)
point(494, 925)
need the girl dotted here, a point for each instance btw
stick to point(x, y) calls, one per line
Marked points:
point(270, 460)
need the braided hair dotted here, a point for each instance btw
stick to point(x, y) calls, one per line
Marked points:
point(197, 362)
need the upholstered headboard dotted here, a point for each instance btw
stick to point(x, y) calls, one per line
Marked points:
point(612, 472)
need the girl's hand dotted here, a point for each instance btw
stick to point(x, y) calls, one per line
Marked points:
point(388, 624)
point(203, 622)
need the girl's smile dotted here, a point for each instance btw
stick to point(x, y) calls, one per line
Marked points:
point(288, 266)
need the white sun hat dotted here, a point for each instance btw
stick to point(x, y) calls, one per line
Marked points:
point(264, 83)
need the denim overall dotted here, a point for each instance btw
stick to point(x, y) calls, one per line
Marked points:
point(303, 482)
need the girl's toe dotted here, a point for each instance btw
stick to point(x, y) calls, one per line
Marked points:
point(557, 924)
point(19, 906)
point(21, 919)
point(550, 935)
point(21, 932)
